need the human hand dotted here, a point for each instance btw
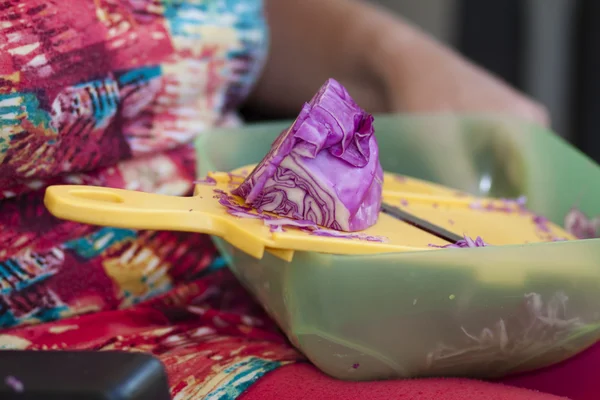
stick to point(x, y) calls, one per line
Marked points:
point(386, 64)
point(420, 75)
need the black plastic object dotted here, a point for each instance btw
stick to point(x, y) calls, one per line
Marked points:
point(81, 375)
point(586, 107)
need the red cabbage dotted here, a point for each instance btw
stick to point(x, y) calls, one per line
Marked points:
point(506, 205)
point(312, 228)
point(541, 223)
point(348, 235)
point(544, 230)
point(210, 181)
point(233, 207)
point(581, 226)
point(276, 224)
point(520, 201)
point(467, 242)
point(234, 177)
point(324, 168)
point(291, 222)
point(276, 229)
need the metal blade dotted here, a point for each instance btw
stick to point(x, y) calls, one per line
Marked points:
point(420, 223)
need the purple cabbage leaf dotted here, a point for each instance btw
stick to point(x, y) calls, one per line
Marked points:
point(324, 168)
point(466, 243)
point(581, 226)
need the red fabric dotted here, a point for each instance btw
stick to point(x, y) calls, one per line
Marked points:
point(304, 381)
point(576, 378)
point(209, 334)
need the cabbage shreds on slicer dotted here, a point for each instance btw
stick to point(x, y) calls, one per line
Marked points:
point(324, 168)
point(467, 242)
point(277, 224)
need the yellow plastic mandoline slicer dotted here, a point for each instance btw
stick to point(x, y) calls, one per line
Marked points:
point(497, 222)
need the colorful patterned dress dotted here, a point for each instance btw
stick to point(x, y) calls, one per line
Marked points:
point(112, 92)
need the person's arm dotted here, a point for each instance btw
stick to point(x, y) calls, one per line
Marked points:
point(385, 63)
point(311, 41)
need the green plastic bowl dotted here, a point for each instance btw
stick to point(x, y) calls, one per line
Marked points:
point(483, 312)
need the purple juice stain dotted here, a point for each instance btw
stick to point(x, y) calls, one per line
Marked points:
point(15, 384)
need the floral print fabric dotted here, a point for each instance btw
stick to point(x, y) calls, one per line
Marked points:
point(112, 93)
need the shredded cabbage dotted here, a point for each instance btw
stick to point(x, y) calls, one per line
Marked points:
point(535, 330)
point(467, 242)
point(506, 205)
point(581, 226)
point(541, 223)
point(308, 226)
point(277, 224)
point(210, 181)
point(324, 168)
point(575, 220)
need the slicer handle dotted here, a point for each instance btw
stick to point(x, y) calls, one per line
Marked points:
point(129, 209)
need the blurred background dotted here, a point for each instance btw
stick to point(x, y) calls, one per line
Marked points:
point(549, 49)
